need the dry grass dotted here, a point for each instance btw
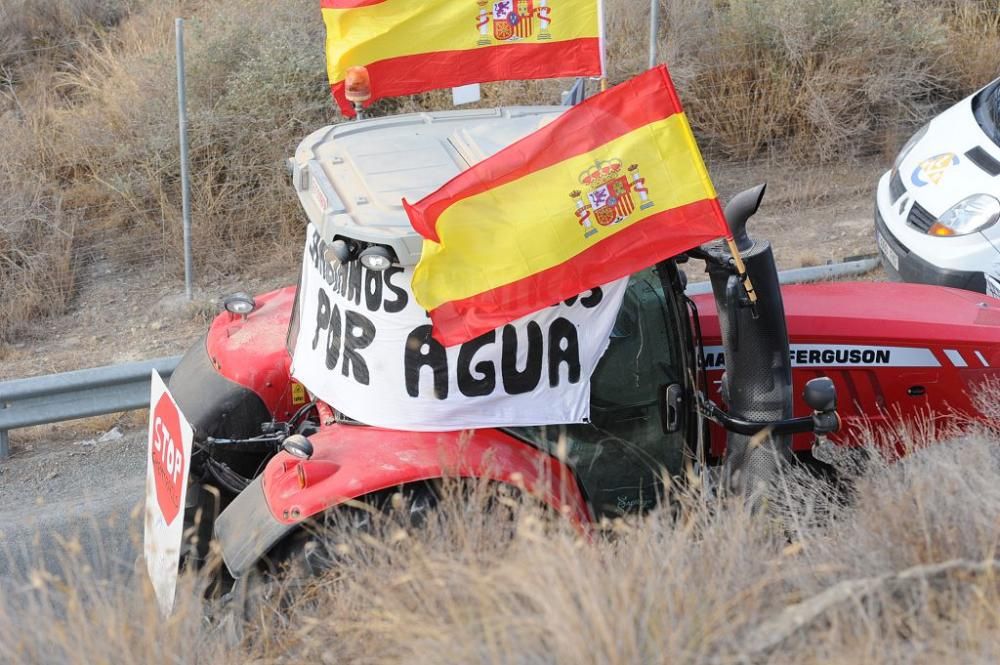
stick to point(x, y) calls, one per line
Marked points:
point(36, 263)
point(894, 575)
point(87, 110)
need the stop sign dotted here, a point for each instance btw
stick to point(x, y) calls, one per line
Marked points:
point(167, 457)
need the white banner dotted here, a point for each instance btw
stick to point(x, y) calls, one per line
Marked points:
point(364, 346)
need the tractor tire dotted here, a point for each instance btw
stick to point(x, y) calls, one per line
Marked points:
point(752, 469)
point(268, 591)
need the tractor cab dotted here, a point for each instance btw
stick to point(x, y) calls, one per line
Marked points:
point(351, 178)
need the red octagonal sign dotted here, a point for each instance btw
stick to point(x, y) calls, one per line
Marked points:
point(168, 457)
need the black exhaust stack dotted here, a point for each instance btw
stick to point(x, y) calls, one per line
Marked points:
point(757, 384)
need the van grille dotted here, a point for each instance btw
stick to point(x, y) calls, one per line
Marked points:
point(896, 186)
point(920, 219)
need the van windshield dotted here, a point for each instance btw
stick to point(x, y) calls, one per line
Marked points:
point(986, 107)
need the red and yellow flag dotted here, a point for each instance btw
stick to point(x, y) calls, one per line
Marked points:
point(410, 46)
point(610, 187)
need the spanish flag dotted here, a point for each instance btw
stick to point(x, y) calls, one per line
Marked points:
point(613, 185)
point(410, 46)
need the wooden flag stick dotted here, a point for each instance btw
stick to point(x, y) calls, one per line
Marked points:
point(741, 270)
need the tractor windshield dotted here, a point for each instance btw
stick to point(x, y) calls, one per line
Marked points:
point(625, 449)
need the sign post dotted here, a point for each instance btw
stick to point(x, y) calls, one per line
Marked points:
point(185, 167)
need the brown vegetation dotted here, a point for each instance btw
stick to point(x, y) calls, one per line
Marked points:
point(87, 111)
point(901, 567)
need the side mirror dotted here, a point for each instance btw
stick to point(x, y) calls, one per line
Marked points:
point(821, 395)
point(298, 446)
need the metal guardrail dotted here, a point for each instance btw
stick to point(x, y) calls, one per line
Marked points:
point(94, 392)
point(80, 394)
point(805, 275)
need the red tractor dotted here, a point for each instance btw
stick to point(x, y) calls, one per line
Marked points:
point(684, 380)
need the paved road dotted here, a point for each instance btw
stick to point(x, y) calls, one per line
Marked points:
point(67, 505)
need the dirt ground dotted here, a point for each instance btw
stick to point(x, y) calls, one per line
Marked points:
point(65, 496)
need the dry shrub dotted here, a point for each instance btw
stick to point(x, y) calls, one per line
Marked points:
point(33, 30)
point(971, 56)
point(255, 88)
point(36, 236)
point(817, 78)
point(892, 575)
point(36, 265)
point(36, 233)
point(62, 613)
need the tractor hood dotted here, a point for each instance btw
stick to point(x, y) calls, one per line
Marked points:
point(915, 324)
point(351, 178)
point(894, 351)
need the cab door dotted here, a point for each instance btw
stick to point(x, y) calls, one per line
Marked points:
point(634, 438)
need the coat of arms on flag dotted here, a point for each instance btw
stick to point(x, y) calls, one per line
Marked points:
point(513, 20)
point(609, 197)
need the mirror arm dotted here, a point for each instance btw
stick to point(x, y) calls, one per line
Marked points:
point(821, 422)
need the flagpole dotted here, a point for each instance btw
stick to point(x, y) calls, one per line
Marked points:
point(604, 47)
point(741, 270)
point(654, 31)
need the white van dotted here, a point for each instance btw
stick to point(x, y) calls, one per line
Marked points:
point(937, 209)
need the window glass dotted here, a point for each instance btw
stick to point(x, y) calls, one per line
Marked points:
point(623, 452)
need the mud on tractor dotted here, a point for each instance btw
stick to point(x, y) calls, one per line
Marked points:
point(684, 380)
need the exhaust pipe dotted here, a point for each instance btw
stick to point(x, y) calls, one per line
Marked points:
point(757, 384)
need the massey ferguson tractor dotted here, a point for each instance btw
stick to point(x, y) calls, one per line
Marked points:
point(712, 381)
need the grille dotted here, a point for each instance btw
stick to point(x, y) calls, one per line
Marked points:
point(896, 186)
point(920, 219)
point(984, 160)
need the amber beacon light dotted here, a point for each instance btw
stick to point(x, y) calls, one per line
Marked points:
point(358, 87)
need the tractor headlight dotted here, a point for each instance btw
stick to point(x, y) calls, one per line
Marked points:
point(967, 216)
point(240, 304)
point(376, 258)
point(908, 146)
point(341, 251)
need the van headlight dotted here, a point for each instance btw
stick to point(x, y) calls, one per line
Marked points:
point(967, 216)
point(909, 145)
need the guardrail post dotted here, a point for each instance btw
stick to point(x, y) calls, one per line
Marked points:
point(4, 444)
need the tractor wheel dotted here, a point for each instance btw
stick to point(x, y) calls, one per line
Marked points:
point(753, 466)
point(266, 593)
point(268, 590)
point(203, 504)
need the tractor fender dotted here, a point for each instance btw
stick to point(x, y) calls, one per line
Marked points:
point(352, 461)
point(250, 351)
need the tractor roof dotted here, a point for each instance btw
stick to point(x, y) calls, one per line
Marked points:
point(351, 177)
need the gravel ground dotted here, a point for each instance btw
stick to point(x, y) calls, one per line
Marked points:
point(72, 496)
